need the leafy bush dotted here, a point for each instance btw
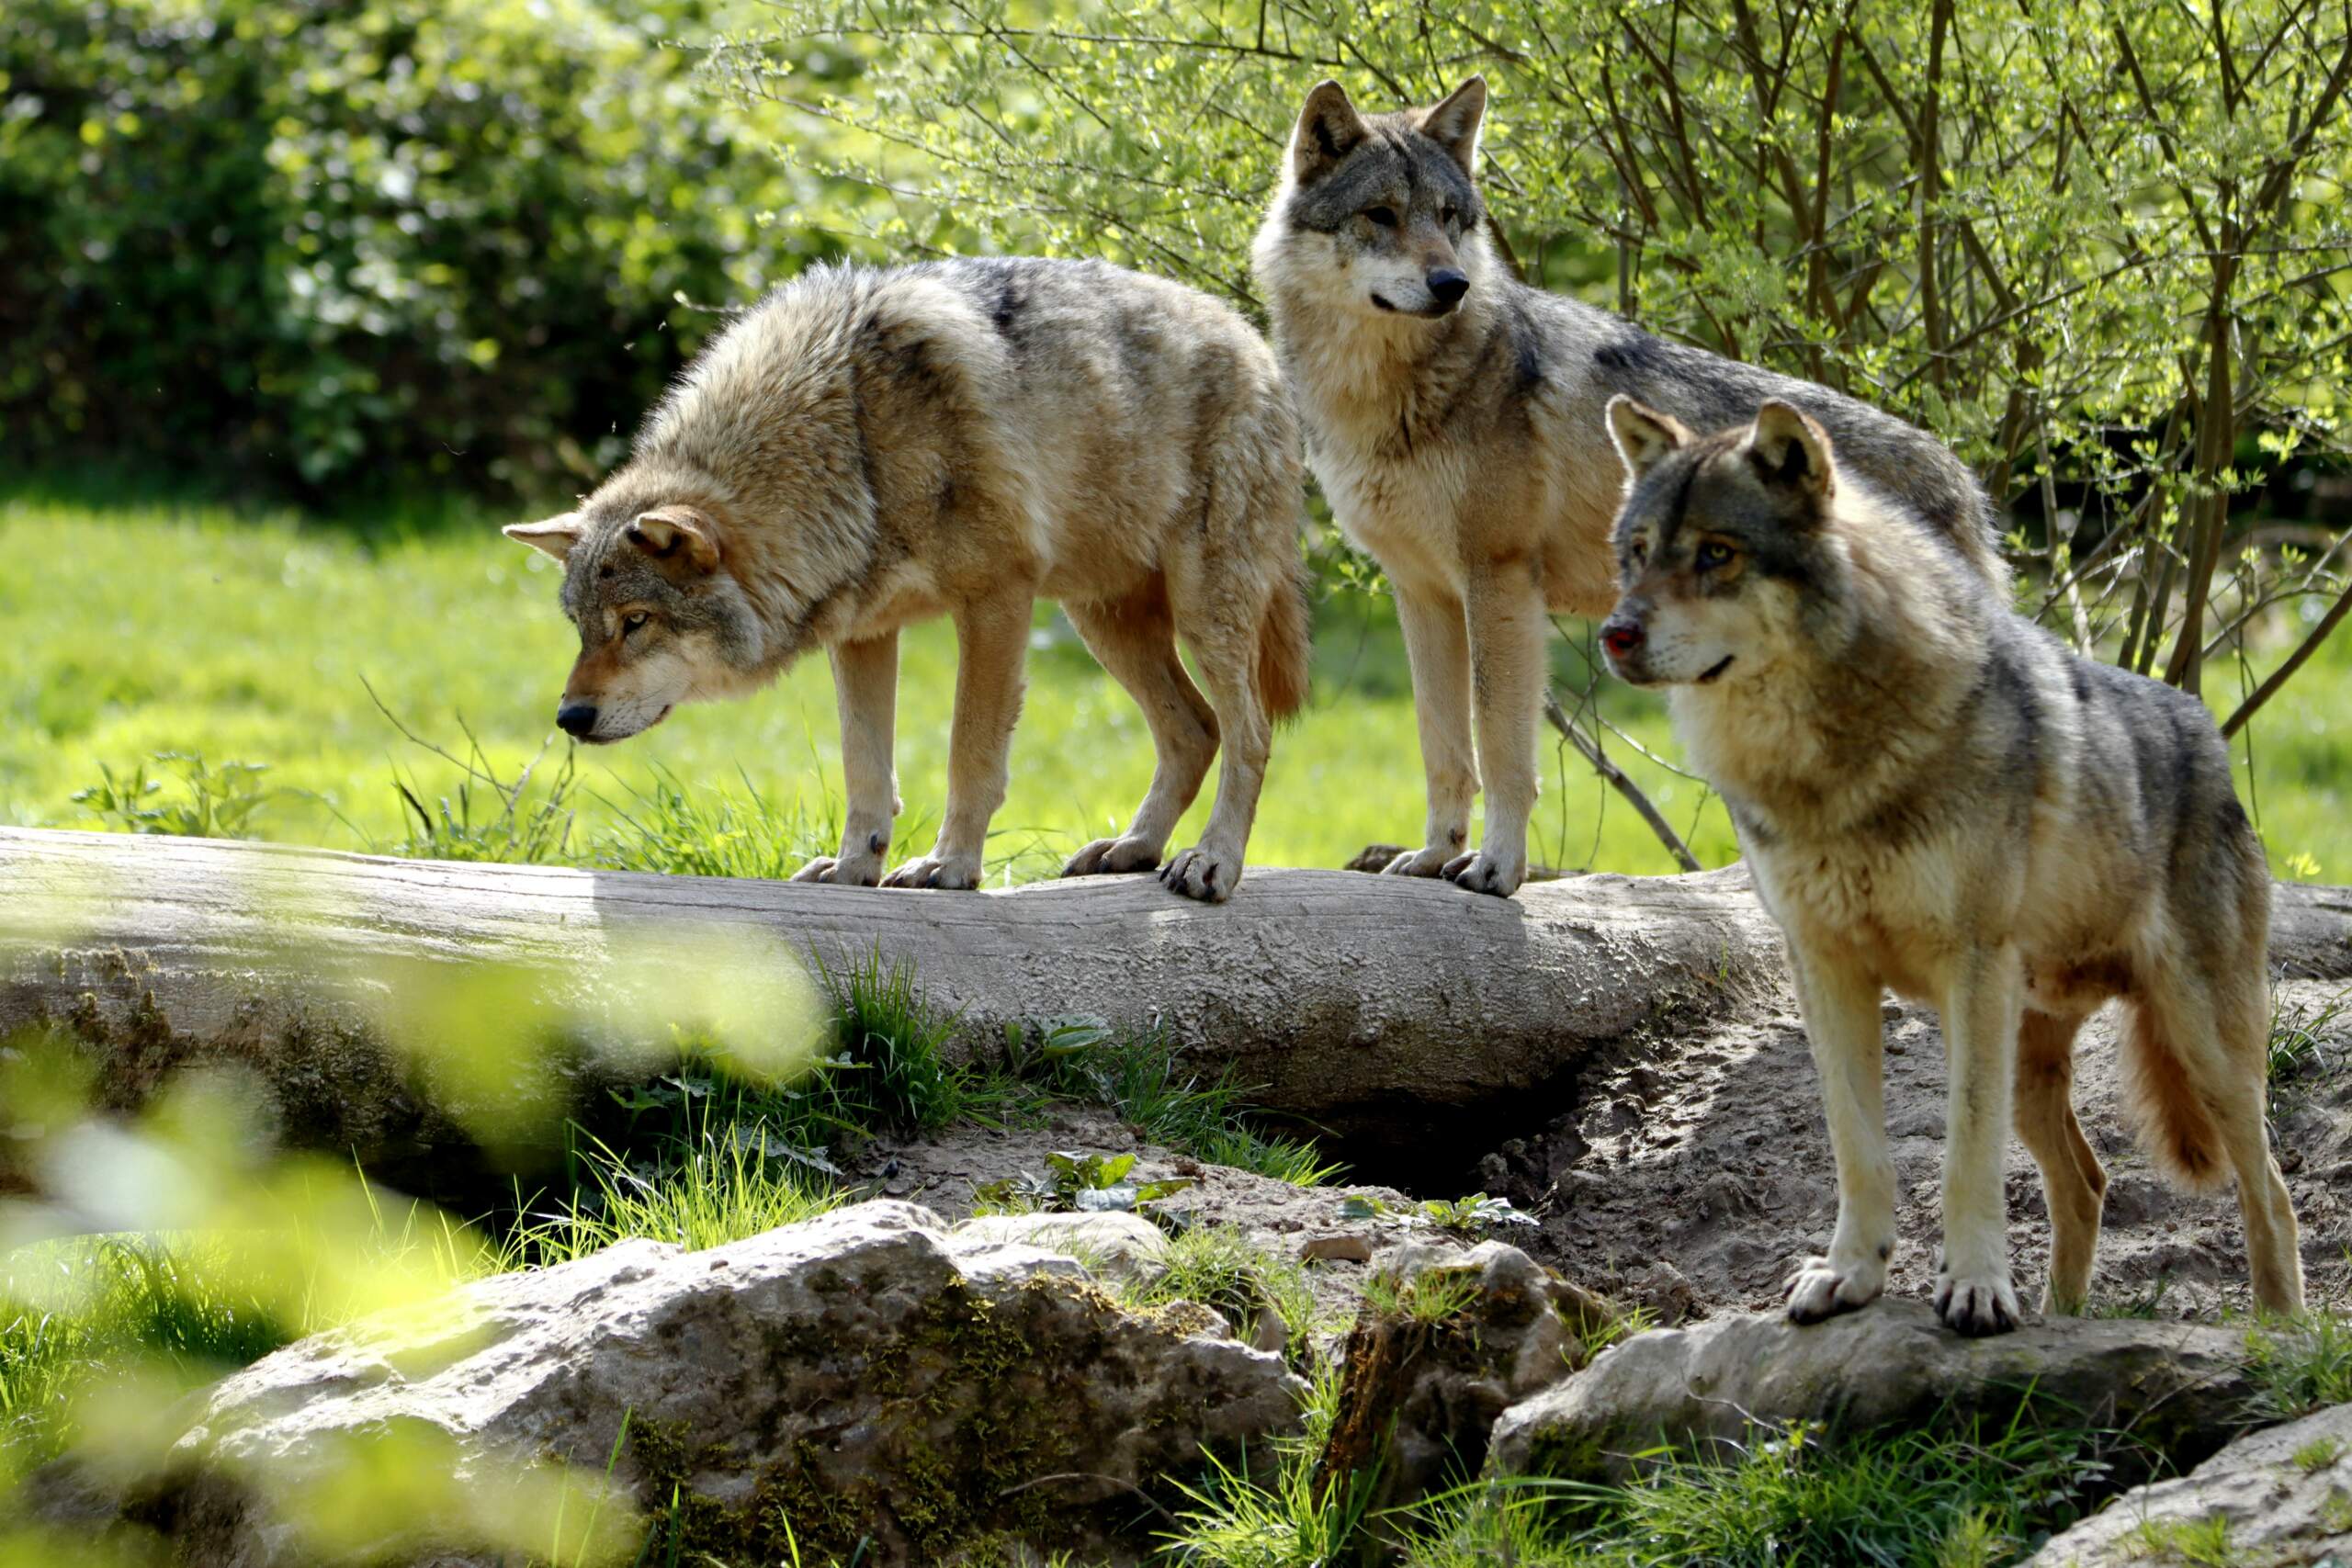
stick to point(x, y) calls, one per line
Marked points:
point(323, 241)
point(2099, 247)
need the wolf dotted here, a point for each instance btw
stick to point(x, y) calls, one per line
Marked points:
point(1453, 419)
point(869, 448)
point(1938, 796)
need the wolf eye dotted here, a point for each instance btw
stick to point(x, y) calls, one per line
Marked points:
point(633, 620)
point(1711, 554)
point(1640, 551)
point(1382, 217)
point(1452, 214)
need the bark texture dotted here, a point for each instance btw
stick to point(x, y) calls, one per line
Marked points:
point(1395, 1013)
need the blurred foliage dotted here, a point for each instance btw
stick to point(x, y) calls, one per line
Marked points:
point(325, 243)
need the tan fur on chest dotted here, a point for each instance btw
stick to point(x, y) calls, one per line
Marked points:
point(1893, 914)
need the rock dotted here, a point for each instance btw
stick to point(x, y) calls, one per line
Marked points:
point(1460, 1338)
point(1343, 1246)
point(864, 1374)
point(2284, 1495)
point(2183, 1389)
point(1123, 1246)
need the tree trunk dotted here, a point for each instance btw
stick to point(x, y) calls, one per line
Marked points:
point(1401, 1016)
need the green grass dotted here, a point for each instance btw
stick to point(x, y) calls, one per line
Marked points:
point(2303, 1364)
point(1941, 1498)
point(151, 626)
point(145, 626)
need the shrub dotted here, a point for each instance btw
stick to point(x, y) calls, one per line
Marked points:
point(323, 241)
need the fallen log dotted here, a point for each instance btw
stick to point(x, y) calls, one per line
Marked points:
point(1398, 1014)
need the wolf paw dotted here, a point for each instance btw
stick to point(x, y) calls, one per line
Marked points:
point(1978, 1306)
point(936, 871)
point(1482, 872)
point(1426, 861)
point(1203, 873)
point(1108, 856)
point(1819, 1290)
point(863, 871)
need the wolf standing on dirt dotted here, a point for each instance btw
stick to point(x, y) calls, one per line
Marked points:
point(868, 449)
point(1939, 797)
point(1453, 417)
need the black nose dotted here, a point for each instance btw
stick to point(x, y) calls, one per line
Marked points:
point(576, 718)
point(1447, 285)
point(1621, 634)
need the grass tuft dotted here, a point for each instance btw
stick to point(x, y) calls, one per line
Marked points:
point(2302, 1365)
point(1140, 1074)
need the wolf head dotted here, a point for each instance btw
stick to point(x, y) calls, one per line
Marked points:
point(1722, 543)
point(662, 617)
point(1381, 214)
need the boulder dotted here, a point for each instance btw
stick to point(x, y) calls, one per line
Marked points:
point(2182, 1389)
point(2278, 1498)
point(1447, 1341)
point(1113, 1246)
point(866, 1376)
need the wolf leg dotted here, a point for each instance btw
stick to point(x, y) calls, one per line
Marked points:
point(1839, 1005)
point(2072, 1184)
point(866, 691)
point(1506, 634)
point(2216, 1029)
point(1437, 647)
point(1134, 639)
point(1983, 1010)
point(991, 640)
point(1221, 627)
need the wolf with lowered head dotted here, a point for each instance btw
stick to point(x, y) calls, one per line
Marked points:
point(867, 449)
point(1938, 798)
point(1454, 418)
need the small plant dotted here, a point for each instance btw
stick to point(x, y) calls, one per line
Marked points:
point(2303, 1037)
point(721, 1188)
point(2318, 1454)
point(1463, 1216)
point(1140, 1076)
point(2200, 1543)
point(1076, 1182)
point(220, 799)
point(1433, 1295)
point(687, 831)
point(520, 820)
point(2302, 1365)
point(1595, 1335)
point(1217, 1267)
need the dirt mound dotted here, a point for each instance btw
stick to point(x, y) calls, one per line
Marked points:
point(1705, 1163)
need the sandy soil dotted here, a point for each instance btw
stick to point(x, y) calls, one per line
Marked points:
point(1692, 1175)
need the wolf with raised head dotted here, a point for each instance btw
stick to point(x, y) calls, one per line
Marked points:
point(1938, 798)
point(1453, 417)
point(866, 449)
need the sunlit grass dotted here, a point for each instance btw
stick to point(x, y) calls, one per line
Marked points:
point(156, 628)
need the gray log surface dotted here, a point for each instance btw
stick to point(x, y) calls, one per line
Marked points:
point(1380, 1008)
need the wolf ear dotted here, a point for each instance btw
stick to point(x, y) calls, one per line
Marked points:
point(679, 534)
point(1328, 130)
point(554, 535)
point(1789, 448)
point(1454, 124)
point(1643, 434)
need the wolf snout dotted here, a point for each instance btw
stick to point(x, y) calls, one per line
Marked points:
point(1447, 285)
point(576, 719)
point(1622, 634)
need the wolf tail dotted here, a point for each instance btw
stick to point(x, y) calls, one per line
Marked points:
point(1285, 648)
point(2174, 1124)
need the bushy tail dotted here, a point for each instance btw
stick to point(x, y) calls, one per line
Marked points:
point(1285, 648)
point(2174, 1124)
